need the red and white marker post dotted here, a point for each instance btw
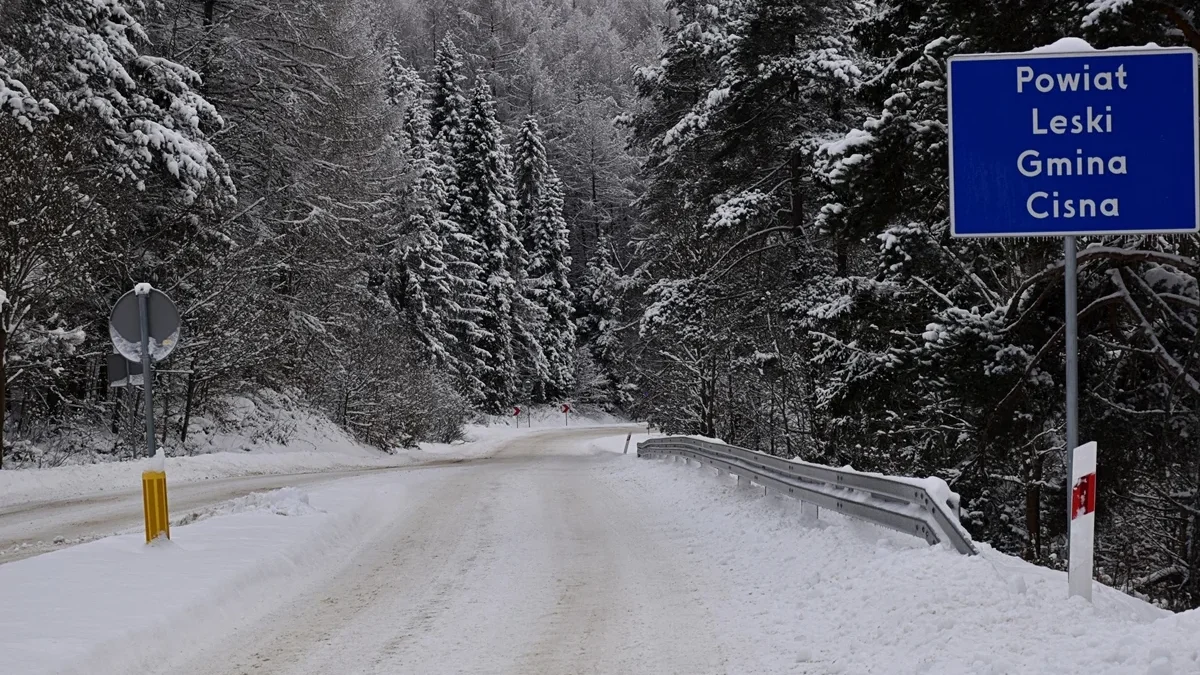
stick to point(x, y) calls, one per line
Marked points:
point(566, 408)
point(1083, 521)
point(517, 414)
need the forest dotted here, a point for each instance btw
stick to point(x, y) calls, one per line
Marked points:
point(729, 217)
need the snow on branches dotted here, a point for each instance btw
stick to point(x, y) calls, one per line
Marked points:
point(85, 57)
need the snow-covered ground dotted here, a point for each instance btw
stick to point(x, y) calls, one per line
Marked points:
point(846, 597)
point(551, 416)
point(43, 510)
point(241, 445)
point(558, 554)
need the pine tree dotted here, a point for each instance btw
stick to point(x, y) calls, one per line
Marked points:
point(423, 285)
point(529, 171)
point(549, 268)
point(448, 107)
point(742, 91)
point(403, 87)
point(84, 58)
point(546, 243)
point(483, 211)
point(599, 307)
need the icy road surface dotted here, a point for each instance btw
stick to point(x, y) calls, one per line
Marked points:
point(558, 556)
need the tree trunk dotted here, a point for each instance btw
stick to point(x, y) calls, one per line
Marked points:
point(187, 404)
point(1192, 541)
point(209, 10)
point(117, 400)
point(3, 386)
point(783, 413)
point(135, 406)
point(843, 258)
point(770, 425)
point(797, 199)
point(706, 404)
point(166, 397)
point(1033, 507)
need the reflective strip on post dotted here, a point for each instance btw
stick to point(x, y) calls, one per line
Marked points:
point(154, 501)
point(1083, 521)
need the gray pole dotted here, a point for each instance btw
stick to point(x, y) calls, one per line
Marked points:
point(1072, 370)
point(147, 372)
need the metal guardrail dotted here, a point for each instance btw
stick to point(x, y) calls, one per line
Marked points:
point(894, 503)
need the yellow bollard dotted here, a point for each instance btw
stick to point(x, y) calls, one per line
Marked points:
point(154, 499)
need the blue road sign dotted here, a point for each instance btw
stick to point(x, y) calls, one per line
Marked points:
point(1100, 142)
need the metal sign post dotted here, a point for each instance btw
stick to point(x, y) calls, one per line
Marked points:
point(144, 327)
point(1072, 356)
point(1058, 143)
point(147, 368)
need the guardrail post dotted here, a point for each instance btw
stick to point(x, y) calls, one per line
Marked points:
point(809, 511)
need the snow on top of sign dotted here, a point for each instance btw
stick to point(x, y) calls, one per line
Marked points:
point(142, 289)
point(1065, 46)
point(1069, 45)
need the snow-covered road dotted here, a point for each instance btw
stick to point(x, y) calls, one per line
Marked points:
point(524, 564)
point(34, 528)
point(559, 555)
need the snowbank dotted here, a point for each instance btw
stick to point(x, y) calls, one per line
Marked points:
point(841, 596)
point(550, 416)
point(264, 434)
point(268, 422)
point(77, 480)
point(614, 444)
point(288, 501)
point(331, 451)
point(87, 605)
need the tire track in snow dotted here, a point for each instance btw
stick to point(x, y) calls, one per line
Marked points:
point(528, 566)
point(416, 558)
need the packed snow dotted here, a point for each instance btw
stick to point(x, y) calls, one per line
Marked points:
point(639, 563)
point(288, 501)
point(847, 597)
point(266, 434)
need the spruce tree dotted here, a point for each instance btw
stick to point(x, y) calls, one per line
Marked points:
point(549, 269)
point(483, 211)
point(447, 104)
point(403, 86)
point(434, 283)
point(546, 371)
point(529, 171)
point(599, 308)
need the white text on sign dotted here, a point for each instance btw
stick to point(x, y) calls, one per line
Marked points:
point(1031, 164)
